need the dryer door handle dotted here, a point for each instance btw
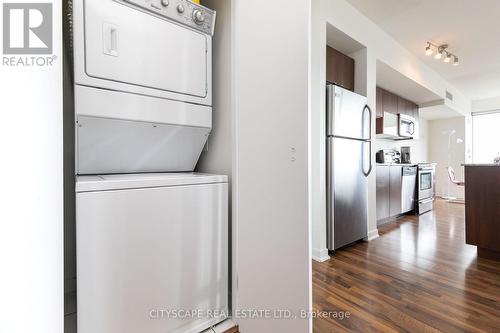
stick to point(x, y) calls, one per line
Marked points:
point(110, 39)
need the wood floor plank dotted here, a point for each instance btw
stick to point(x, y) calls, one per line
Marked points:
point(418, 276)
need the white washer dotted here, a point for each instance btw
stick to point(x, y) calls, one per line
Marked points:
point(151, 242)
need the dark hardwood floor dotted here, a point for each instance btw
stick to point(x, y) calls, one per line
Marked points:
point(419, 276)
point(233, 330)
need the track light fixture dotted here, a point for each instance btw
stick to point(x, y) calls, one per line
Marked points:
point(447, 59)
point(441, 50)
point(428, 49)
point(439, 54)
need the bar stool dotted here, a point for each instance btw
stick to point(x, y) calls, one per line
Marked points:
point(453, 178)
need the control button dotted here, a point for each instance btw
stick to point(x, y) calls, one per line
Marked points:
point(164, 3)
point(198, 16)
point(180, 8)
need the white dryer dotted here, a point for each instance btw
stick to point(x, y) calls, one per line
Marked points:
point(143, 84)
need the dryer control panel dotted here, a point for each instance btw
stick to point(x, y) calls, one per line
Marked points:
point(184, 12)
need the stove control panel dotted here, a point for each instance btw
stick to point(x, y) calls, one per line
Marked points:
point(184, 12)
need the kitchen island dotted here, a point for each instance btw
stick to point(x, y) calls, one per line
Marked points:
point(482, 208)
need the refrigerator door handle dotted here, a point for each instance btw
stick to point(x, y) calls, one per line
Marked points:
point(330, 105)
point(369, 140)
point(367, 173)
point(367, 108)
point(329, 195)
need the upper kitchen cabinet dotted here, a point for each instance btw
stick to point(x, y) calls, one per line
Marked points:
point(339, 69)
point(389, 102)
point(389, 105)
point(404, 107)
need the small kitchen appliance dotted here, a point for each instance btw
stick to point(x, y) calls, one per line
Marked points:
point(388, 156)
point(406, 126)
point(406, 155)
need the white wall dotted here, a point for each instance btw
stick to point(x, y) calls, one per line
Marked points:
point(488, 104)
point(31, 214)
point(444, 156)
point(69, 173)
point(270, 193)
point(379, 46)
point(419, 147)
point(217, 157)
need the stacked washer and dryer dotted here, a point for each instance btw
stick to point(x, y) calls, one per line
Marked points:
point(152, 239)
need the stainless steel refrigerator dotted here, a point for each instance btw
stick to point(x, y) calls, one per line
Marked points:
point(348, 159)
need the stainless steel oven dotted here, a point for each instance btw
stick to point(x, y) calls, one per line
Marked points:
point(425, 187)
point(406, 126)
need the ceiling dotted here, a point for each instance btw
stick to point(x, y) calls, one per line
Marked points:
point(392, 80)
point(440, 111)
point(470, 27)
point(341, 41)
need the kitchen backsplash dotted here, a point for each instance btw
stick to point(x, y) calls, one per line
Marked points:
point(419, 147)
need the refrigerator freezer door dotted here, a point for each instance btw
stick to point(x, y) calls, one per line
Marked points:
point(346, 114)
point(346, 192)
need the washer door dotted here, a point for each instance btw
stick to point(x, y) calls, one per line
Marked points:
point(126, 45)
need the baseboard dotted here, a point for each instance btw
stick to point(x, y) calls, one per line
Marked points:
point(227, 326)
point(372, 235)
point(445, 197)
point(457, 200)
point(320, 255)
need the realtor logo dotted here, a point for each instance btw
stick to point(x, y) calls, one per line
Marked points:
point(27, 28)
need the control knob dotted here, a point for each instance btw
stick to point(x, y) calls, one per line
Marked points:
point(180, 8)
point(164, 3)
point(198, 16)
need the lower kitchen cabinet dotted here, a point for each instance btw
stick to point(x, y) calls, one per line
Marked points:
point(389, 183)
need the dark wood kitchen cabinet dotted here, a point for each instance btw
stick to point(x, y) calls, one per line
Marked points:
point(339, 69)
point(389, 102)
point(386, 102)
point(394, 104)
point(389, 187)
point(404, 106)
point(482, 209)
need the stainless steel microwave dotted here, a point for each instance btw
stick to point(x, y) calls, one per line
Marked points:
point(406, 126)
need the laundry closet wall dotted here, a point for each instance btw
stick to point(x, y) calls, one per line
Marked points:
point(31, 209)
point(270, 173)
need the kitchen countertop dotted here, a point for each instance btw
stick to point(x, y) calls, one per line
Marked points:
point(400, 164)
point(481, 164)
point(406, 164)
